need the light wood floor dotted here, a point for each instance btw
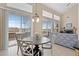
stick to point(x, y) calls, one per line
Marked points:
point(56, 51)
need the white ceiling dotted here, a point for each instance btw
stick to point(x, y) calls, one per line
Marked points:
point(59, 7)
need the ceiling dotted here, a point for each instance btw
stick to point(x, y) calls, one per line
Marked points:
point(59, 7)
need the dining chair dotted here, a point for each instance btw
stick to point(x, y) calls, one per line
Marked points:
point(49, 44)
point(18, 38)
point(26, 48)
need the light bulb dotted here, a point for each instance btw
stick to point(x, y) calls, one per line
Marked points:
point(37, 20)
point(32, 20)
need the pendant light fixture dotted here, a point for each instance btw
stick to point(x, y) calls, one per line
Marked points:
point(35, 17)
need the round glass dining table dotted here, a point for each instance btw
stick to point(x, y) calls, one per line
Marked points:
point(35, 42)
point(31, 40)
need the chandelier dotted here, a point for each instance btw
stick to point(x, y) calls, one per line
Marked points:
point(35, 17)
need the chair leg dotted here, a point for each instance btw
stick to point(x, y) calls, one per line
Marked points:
point(17, 50)
point(32, 50)
point(42, 50)
point(51, 51)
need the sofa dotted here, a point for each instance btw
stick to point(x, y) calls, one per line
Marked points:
point(66, 40)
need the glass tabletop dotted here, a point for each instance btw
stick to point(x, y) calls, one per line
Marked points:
point(31, 40)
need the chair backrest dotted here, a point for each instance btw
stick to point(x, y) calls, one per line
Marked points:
point(18, 36)
point(50, 37)
point(49, 44)
point(26, 48)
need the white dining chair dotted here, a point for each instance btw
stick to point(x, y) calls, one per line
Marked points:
point(18, 38)
point(23, 45)
point(49, 44)
point(26, 48)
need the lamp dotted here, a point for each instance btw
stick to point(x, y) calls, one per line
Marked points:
point(35, 16)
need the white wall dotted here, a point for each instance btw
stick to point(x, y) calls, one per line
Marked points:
point(72, 13)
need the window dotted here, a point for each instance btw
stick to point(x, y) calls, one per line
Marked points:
point(46, 26)
point(14, 23)
point(57, 17)
point(19, 23)
point(26, 24)
point(47, 14)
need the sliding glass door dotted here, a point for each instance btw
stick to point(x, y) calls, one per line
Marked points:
point(18, 23)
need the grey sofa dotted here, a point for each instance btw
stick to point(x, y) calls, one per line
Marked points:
point(66, 40)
